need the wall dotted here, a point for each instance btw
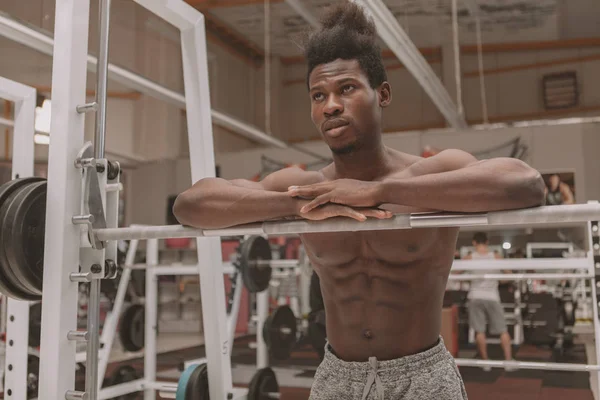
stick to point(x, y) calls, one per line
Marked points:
point(591, 158)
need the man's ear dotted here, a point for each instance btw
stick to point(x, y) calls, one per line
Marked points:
point(385, 94)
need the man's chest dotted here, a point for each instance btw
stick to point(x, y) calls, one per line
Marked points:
point(390, 247)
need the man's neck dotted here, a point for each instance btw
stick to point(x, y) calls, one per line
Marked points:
point(363, 164)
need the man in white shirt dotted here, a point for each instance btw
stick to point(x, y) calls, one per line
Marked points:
point(484, 304)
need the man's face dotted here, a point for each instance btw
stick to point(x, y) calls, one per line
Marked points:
point(344, 106)
point(554, 181)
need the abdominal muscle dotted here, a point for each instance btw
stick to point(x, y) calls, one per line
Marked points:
point(381, 308)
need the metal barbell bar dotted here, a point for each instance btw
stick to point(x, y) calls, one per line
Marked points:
point(515, 277)
point(539, 215)
point(545, 366)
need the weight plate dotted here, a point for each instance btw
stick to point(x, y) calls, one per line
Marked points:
point(193, 383)
point(123, 374)
point(131, 328)
point(35, 324)
point(25, 222)
point(138, 282)
point(9, 283)
point(256, 277)
point(281, 332)
point(262, 384)
point(266, 328)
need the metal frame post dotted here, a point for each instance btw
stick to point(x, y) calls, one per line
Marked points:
point(61, 253)
point(195, 77)
point(262, 312)
point(17, 317)
point(151, 322)
point(112, 320)
point(594, 268)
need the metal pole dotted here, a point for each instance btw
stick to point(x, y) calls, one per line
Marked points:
point(456, 47)
point(101, 79)
point(262, 312)
point(542, 366)
point(151, 318)
point(93, 323)
point(595, 307)
point(235, 310)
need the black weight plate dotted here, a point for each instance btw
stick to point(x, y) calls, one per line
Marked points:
point(281, 332)
point(9, 284)
point(197, 386)
point(123, 374)
point(138, 282)
point(25, 222)
point(263, 382)
point(266, 327)
point(256, 277)
point(35, 324)
point(131, 328)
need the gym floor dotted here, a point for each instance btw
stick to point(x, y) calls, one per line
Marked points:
point(295, 374)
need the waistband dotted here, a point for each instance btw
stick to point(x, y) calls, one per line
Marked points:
point(406, 366)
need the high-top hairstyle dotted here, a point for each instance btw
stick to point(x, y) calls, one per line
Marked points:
point(347, 33)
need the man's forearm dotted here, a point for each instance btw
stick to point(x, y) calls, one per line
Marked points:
point(485, 187)
point(221, 205)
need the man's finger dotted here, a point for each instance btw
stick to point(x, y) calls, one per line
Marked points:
point(308, 193)
point(380, 214)
point(319, 200)
point(349, 212)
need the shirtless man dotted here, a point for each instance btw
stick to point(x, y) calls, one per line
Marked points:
point(558, 192)
point(382, 290)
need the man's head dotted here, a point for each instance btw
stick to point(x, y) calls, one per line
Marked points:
point(480, 239)
point(554, 181)
point(347, 80)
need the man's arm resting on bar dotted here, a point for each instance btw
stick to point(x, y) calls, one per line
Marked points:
point(214, 203)
point(452, 181)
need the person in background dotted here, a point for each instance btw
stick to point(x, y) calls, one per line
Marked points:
point(558, 192)
point(484, 304)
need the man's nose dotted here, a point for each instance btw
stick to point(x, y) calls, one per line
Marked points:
point(333, 106)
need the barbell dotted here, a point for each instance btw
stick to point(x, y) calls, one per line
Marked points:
point(23, 215)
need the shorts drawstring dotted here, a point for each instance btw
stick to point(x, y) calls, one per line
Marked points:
point(373, 378)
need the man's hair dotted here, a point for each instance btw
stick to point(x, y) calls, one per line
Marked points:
point(347, 33)
point(480, 238)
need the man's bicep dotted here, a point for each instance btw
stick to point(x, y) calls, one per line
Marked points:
point(445, 161)
point(279, 181)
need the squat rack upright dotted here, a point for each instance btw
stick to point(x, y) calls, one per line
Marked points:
point(64, 198)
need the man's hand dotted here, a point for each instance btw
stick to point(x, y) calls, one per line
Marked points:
point(337, 210)
point(349, 192)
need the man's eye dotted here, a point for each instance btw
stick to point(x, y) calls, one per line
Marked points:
point(318, 96)
point(347, 88)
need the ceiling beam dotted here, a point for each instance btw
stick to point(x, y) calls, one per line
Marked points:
point(400, 44)
point(427, 52)
point(210, 4)
point(397, 40)
point(27, 36)
point(304, 12)
point(534, 46)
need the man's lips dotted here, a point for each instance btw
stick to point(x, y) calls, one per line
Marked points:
point(334, 123)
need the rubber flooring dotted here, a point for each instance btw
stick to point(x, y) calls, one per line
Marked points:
point(295, 374)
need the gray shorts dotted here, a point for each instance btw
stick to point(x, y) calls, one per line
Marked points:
point(430, 375)
point(483, 312)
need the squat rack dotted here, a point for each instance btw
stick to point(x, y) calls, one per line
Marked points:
point(17, 323)
point(65, 264)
